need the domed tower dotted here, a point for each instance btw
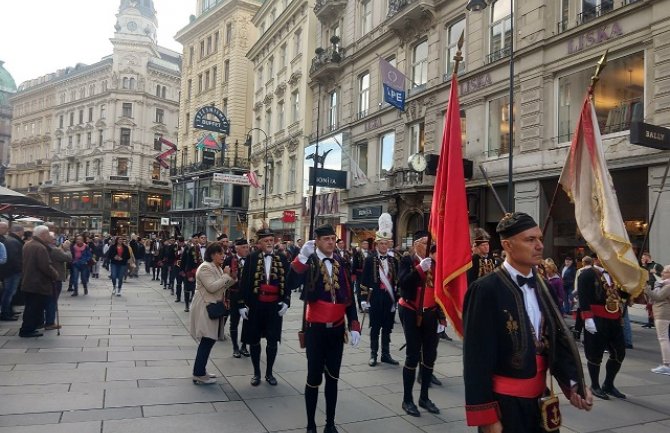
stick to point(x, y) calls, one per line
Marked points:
point(7, 89)
point(137, 20)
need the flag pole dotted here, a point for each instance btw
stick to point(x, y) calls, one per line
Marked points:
point(594, 80)
point(493, 190)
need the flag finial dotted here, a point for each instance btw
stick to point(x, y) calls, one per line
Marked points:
point(599, 68)
point(458, 57)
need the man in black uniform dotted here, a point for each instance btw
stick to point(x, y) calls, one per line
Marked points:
point(482, 264)
point(234, 301)
point(513, 333)
point(601, 308)
point(329, 297)
point(266, 300)
point(379, 294)
point(176, 272)
point(360, 254)
point(192, 257)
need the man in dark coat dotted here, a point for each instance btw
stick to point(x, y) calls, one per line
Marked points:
point(568, 274)
point(266, 300)
point(513, 333)
point(482, 263)
point(11, 271)
point(37, 283)
point(234, 299)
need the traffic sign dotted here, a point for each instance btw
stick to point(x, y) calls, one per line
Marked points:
point(235, 179)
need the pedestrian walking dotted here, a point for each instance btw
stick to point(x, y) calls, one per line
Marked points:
point(118, 256)
point(81, 255)
point(12, 271)
point(660, 298)
point(60, 255)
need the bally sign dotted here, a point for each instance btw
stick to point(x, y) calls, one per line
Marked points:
point(328, 178)
point(648, 135)
point(211, 119)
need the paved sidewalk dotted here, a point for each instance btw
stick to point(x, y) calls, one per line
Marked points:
point(123, 364)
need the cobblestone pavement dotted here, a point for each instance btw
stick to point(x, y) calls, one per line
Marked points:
point(123, 364)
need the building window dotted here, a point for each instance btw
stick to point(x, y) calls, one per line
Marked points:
point(163, 92)
point(202, 49)
point(268, 122)
point(500, 41)
point(295, 106)
point(199, 83)
point(127, 110)
point(366, 16)
point(90, 114)
point(125, 137)
point(60, 121)
point(78, 140)
point(191, 54)
point(271, 67)
point(88, 169)
point(206, 80)
point(361, 155)
point(498, 137)
point(565, 15)
point(214, 76)
point(126, 83)
point(122, 167)
point(72, 118)
point(282, 56)
point(224, 107)
point(291, 173)
point(280, 115)
point(81, 116)
point(88, 139)
point(103, 108)
point(386, 149)
point(158, 91)
point(363, 95)
point(160, 115)
point(278, 178)
point(229, 33)
point(454, 32)
point(297, 42)
point(104, 86)
point(121, 201)
point(332, 111)
point(216, 41)
point(189, 89)
point(155, 171)
point(594, 8)
point(618, 97)
point(226, 70)
point(100, 137)
point(416, 138)
point(420, 64)
point(59, 144)
point(209, 45)
point(157, 143)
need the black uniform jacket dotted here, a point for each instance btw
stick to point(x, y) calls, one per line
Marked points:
point(253, 275)
point(370, 282)
point(498, 340)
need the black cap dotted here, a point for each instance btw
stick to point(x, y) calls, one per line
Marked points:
point(420, 234)
point(180, 239)
point(324, 230)
point(514, 223)
point(241, 241)
point(264, 233)
point(481, 237)
point(222, 237)
point(195, 235)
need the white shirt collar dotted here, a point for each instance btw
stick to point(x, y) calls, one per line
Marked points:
point(513, 272)
point(321, 255)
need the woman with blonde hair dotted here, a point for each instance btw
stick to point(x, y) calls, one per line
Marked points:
point(660, 298)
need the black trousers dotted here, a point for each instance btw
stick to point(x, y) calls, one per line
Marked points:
point(519, 415)
point(421, 346)
point(165, 273)
point(234, 319)
point(174, 275)
point(33, 314)
point(324, 347)
point(610, 337)
point(202, 356)
point(381, 320)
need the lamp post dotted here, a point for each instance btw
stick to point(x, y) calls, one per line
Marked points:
point(478, 6)
point(247, 142)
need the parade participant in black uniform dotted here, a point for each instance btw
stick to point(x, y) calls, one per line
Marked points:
point(222, 239)
point(360, 254)
point(155, 252)
point(327, 291)
point(482, 264)
point(177, 272)
point(513, 334)
point(234, 299)
point(342, 251)
point(418, 300)
point(379, 291)
point(192, 257)
point(601, 308)
point(266, 300)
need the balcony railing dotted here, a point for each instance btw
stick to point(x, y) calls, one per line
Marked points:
point(327, 10)
point(402, 12)
point(497, 55)
point(600, 10)
point(404, 178)
point(326, 61)
point(219, 162)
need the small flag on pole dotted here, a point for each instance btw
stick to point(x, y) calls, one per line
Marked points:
point(394, 84)
point(253, 179)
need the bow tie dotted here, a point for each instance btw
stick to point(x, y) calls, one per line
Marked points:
point(268, 254)
point(328, 259)
point(521, 281)
point(383, 257)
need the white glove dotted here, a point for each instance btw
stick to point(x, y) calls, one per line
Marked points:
point(244, 313)
point(355, 338)
point(365, 306)
point(590, 326)
point(308, 249)
point(426, 263)
point(440, 328)
point(283, 309)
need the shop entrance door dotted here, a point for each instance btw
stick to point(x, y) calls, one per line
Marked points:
point(120, 226)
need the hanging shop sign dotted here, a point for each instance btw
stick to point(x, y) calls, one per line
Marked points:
point(288, 216)
point(211, 119)
point(366, 212)
point(328, 178)
point(648, 135)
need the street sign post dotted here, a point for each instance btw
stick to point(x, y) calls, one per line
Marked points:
point(235, 179)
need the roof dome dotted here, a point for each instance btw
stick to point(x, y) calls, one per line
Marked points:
point(7, 83)
point(146, 7)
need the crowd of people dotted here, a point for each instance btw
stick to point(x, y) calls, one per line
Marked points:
point(237, 284)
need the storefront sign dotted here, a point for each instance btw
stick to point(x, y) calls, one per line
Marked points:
point(366, 212)
point(208, 157)
point(288, 216)
point(123, 178)
point(474, 84)
point(328, 178)
point(211, 201)
point(648, 135)
point(120, 214)
point(203, 120)
point(235, 179)
point(165, 221)
point(594, 37)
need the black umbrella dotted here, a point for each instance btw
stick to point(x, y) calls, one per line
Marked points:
point(14, 211)
point(9, 196)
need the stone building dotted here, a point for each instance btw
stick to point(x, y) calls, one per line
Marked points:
point(87, 136)
point(7, 90)
point(215, 74)
point(556, 47)
point(282, 118)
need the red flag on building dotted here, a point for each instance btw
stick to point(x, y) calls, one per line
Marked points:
point(449, 218)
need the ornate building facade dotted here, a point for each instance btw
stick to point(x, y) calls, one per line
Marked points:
point(7, 90)
point(282, 121)
point(87, 137)
point(556, 47)
point(216, 74)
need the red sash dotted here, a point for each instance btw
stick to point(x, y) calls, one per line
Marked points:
point(325, 312)
point(524, 388)
point(268, 293)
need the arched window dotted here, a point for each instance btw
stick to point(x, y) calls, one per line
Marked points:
point(163, 92)
point(158, 90)
point(414, 223)
point(125, 82)
point(132, 84)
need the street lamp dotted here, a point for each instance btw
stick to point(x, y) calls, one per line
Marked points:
point(247, 142)
point(477, 6)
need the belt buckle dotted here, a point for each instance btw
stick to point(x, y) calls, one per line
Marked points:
point(329, 325)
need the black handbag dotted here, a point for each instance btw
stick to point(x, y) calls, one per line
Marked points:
point(216, 310)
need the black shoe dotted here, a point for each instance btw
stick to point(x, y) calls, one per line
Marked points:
point(435, 381)
point(373, 361)
point(444, 336)
point(85, 290)
point(177, 300)
point(428, 405)
point(629, 346)
point(611, 390)
point(70, 289)
point(410, 408)
point(310, 429)
point(648, 326)
point(186, 310)
point(271, 380)
point(255, 380)
point(330, 429)
point(31, 334)
point(387, 359)
point(599, 393)
point(74, 294)
point(244, 352)
point(8, 318)
point(236, 354)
